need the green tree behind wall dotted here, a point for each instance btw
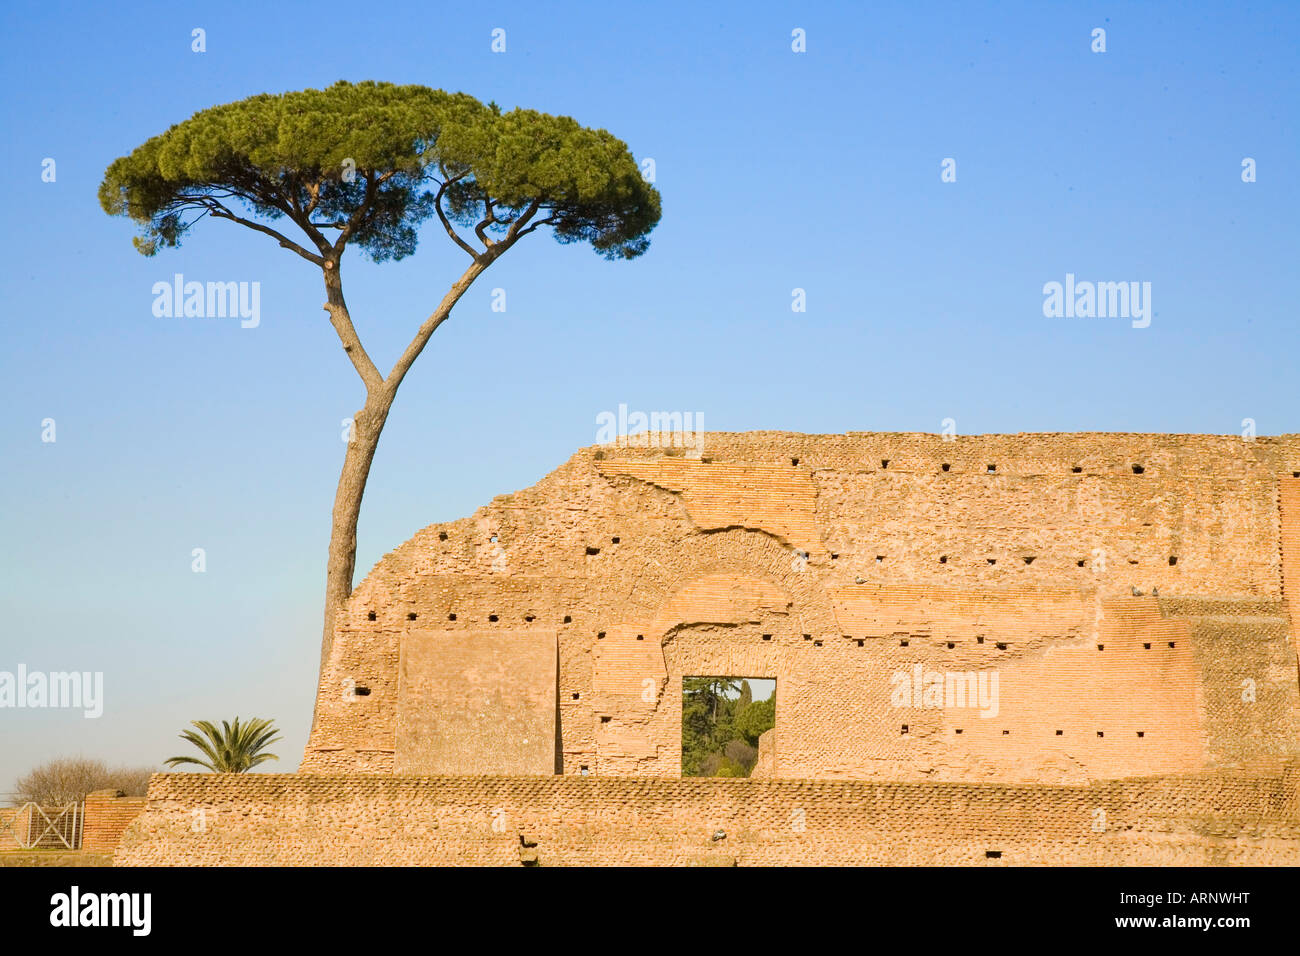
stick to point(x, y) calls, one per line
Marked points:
point(721, 724)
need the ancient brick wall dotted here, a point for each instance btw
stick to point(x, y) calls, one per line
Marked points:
point(264, 819)
point(1129, 593)
point(1289, 519)
point(107, 815)
point(765, 766)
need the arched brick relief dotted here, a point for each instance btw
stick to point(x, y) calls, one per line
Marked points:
point(740, 606)
point(745, 554)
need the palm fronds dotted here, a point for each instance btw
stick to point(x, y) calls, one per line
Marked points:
point(232, 748)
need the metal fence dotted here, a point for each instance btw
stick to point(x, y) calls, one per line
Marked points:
point(32, 826)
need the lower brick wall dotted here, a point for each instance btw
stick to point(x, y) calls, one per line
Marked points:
point(287, 819)
point(107, 816)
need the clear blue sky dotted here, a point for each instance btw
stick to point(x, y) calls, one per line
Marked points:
point(778, 170)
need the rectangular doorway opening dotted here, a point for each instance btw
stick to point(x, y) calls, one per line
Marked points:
point(723, 719)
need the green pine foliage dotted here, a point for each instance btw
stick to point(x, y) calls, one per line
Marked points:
point(360, 158)
point(721, 724)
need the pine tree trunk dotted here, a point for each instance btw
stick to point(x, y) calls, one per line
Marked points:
point(367, 426)
point(368, 423)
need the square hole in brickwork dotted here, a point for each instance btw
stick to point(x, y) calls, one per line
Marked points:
point(600, 636)
point(451, 617)
point(884, 463)
point(1295, 474)
point(361, 691)
point(943, 559)
point(1076, 470)
point(1001, 646)
point(904, 730)
point(1142, 733)
point(807, 637)
point(1173, 559)
point(640, 637)
point(946, 467)
point(591, 550)
point(529, 618)
point(576, 695)
point(411, 616)
point(951, 645)
point(794, 461)
point(993, 854)
point(442, 536)
point(861, 643)
point(767, 637)
point(493, 618)
point(902, 643)
point(1171, 643)
point(568, 619)
point(605, 720)
point(992, 468)
point(817, 643)
point(584, 770)
point(1060, 733)
point(1147, 645)
point(1029, 558)
point(957, 730)
point(1101, 647)
point(1138, 469)
point(880, 559)
point(370, 616)
point(1101, 733)
point(614, 540)
point(1006, 733)
point(992, 560)
point(722, 721)
point(1079, 563)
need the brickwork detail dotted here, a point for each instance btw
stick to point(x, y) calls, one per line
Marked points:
point(264, 819)
point(1016, 649)
point(107, 815)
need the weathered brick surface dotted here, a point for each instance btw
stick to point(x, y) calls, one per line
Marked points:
point(1132, 595)
point(366, 819)
point(833, 563)
point(496, 694)
point(107, 815)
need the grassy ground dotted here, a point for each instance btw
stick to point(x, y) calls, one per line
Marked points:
point(54, 858)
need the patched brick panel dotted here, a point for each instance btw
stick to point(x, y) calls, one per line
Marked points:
point(769, 497)
point(1289, 503)
point(477, 702)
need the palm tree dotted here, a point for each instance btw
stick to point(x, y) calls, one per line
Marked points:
point(232, 749)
